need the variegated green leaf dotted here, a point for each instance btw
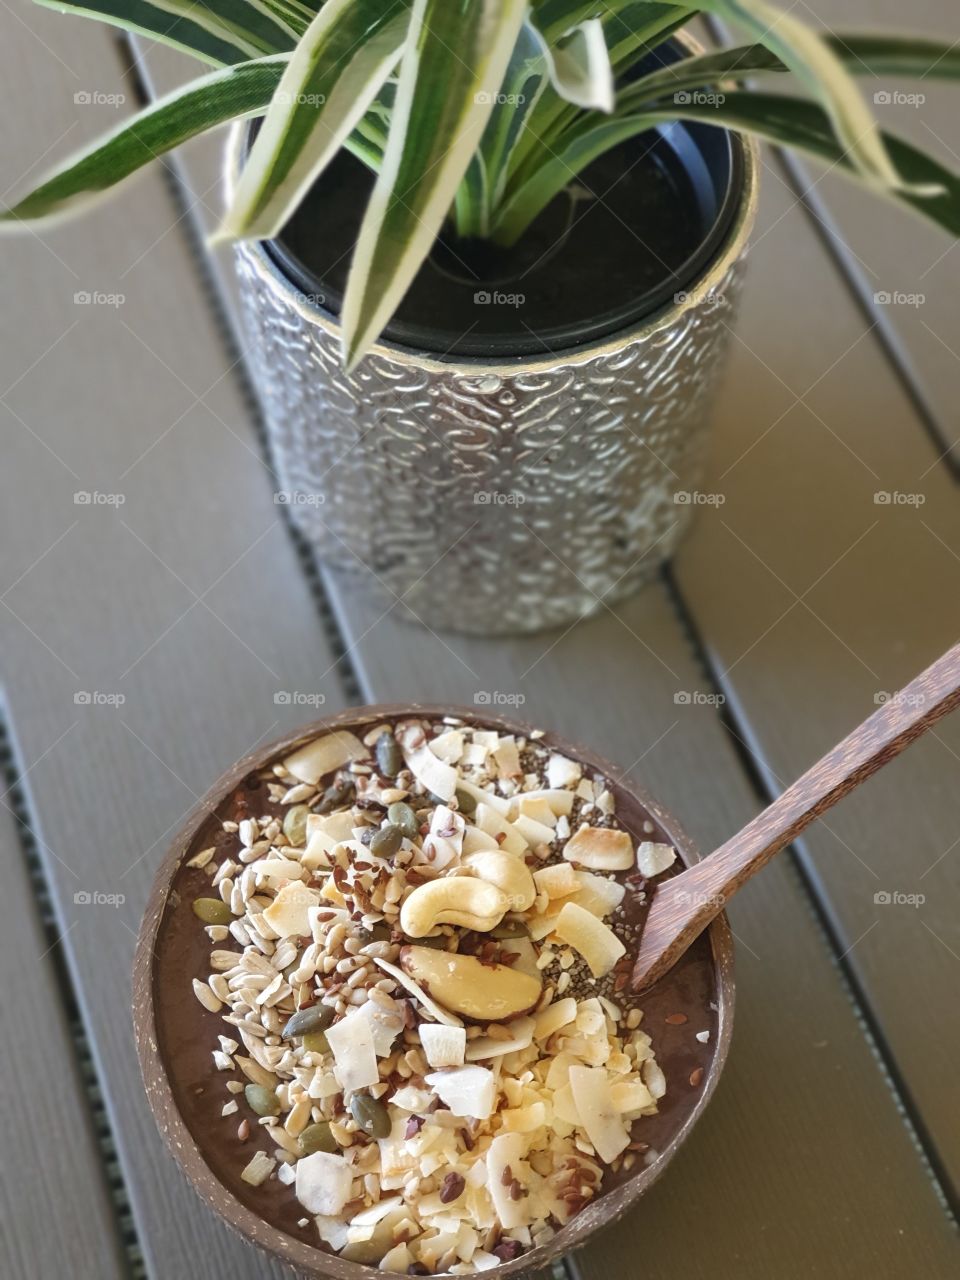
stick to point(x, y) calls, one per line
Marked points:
point(579, 66)
point(822, 73)
point(332, 78)
point(483, 185)
point(632, 28)
point(452, 68)
point(897, 55)
point(804, 126)
point(236, 92)
point(219, 32)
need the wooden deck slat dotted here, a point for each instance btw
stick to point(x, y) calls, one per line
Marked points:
point(624, 696)
point(99, 599)
point(51, 1165)
point(813, 600)
point(887, 249)
point(898, 253)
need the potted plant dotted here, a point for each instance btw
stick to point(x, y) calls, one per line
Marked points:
point(489, 254)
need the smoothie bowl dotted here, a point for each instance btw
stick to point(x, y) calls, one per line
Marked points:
point(382, 996)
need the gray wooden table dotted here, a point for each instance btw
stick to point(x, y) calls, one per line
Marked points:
point(145, 633)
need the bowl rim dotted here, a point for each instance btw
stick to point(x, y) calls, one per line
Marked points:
point(309, 1259)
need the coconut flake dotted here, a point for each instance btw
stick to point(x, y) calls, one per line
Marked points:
point(355, 1060)
point(446, 835)
point(562, 772)
point(521, 1036)
point(288, 914)
point(444, 1046)
point(599, 1116)
point(324, 1183)
point(408, 984)
point(431, 772)
point(323, 755)
point(506, 1151)
point(333, 1231)
point(494, 824)
point(653, 858)
point(467, 1091)
point(500, 803)
point(602, 848)
point(598, 944)
point(448, 747)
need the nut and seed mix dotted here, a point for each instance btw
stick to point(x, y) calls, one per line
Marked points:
point(420, 962)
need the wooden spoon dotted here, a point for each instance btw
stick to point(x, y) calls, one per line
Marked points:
point(685, 904)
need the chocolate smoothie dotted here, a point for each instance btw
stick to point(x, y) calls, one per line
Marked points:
point(245, 1082)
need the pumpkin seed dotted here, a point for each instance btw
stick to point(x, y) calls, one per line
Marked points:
point(295, 824)
point(466, 803)
point(402, 816)
point(318, 1137)
point(389, 756)
point(371, 1115)
point(262, 1100)
point(315, 1018)
point(438, 942)
point(386, 841)
point(337, 795)
point(316, 1042)
point(510, 929)
point(212, 911)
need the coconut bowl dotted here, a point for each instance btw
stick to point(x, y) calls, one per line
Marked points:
point(175, 1035)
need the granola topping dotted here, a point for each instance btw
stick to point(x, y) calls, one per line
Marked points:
point(420, 968)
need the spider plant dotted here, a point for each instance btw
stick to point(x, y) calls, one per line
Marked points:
point(475, 114)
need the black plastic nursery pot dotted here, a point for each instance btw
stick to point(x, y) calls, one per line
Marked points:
point(638, 227)
point(531, 429)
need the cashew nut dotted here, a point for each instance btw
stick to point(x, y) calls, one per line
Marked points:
point(508, 872)
point(464, 900)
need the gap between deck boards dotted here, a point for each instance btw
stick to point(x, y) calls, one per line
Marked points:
point(16, 800)
point(763, 785)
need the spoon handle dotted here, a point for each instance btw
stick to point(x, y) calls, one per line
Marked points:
point(685, 904)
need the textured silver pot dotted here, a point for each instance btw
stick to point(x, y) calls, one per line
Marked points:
point(492, 497)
